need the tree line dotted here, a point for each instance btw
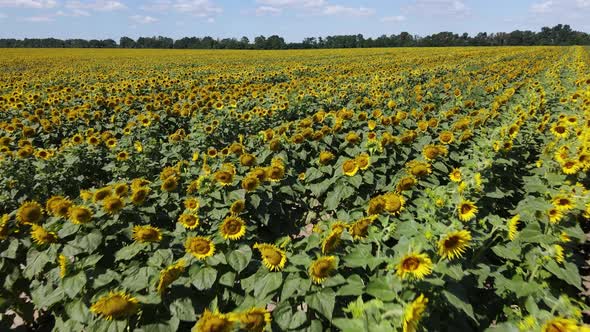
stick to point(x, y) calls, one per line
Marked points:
point(557, 35)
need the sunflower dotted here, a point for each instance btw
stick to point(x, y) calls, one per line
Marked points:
point(79, 214)
point(406, 183)
point(121, 189)
point(169, 184)
point(189, 220)
point(254, 319)
point(419, 169)
point(115, 305)
point(200, 247)
point(350, 167)
point(122, 155)
point(139, 195)
point(559, 130)
point(326, 157)
point(455, 175)
point(431, 152)
point(275, 172)
point(214, 322)
point(29, 213)
point(331, 241)
point(376, 205)
point(148, 233)
point(415, 265)
point(558, 250)
point(559, 324)
point(63, 265)
point(563, 203)
point(554, 215)
point(360, 228)
point(4, 229)
point(446, 137)
point(413, 313)
point(232, 228)
point(113, 204)
point(513, 227)
point(51, 206)
point(570, 166)
point(363, 161)
point(322, 268)
point(42, 236)
point(247, 160)
point(394, 203)
point(467, 210)
point(169, 275)
point(259, 173)
point(101, 194)
point(454, 244)
point(250, 183)
point(237, 207)
point(272, 257)
point(352, 138)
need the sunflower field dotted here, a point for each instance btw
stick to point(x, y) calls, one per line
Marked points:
point(431, 189)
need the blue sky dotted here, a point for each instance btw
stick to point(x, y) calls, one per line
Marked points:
point(292, 19)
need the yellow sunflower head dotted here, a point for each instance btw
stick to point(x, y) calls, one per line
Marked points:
point(115, 305)
point(254, 319)
point(139, 195)
point(214, 322)
point(247, 160)
point(413, 313)
point(554, 215)
point(322, 268)
point(394, 203)
point(250, 183)
point(363, 161)
point(326, 157)
point(331, 241)
point(560, 324)
point(350, 167)
point(360, 228)
point(200, 247)
point(232, 228)
point(237, 207)
point(29, 213)
point(414, 265)
point(113, 204)
point(275, 173)
point(79, 214)
point(446, 137)
point(169, 275)
point(272, 257)
point(454, 244)
point(376, 205)
point(42, 236)
point(466, 210)
point(406, 183)
point(63, 266)
point(513, 227)
point(455, 175)
point(147, 234)
point(101, 194)
point(169, 184)
point(563, 203)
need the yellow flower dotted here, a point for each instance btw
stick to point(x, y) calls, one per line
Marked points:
point(454, 244)
point(189, 220)
point(394, 203)
point(275, 172)
point(254, 320)
point(360, 228)
point(232, 228)
point(79, 214)
point(570, 166)
point(200, 247)
point(237, 207)
point(554, 215)
point(169, 184)
point(513, 227)
point(169, 275)
point(272, 257)
point(213, 322)
point(147, 234)
point(350, 167)
point(558, 253)
point(4, 226)
point(363, 161)
point(29, 213)
point(446, 137)
point(455, 175)
point(467, 210)
point(413, 313)
point(115, 305)
point(331, 241)
point(563, 203)
point(322, 268)
point(250, 183)
point(415, 265)
point(58, 206)
point(63, 266)
point(139, 195)
point(41, 236)
point(138, 147)
point(376, 205)
point(559, 324)
point(101, 194)
point(113, 204)
point(527, 324)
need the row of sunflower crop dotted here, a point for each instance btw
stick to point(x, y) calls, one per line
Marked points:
point(428, 189)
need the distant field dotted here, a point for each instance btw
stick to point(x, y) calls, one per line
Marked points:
point(357, 190)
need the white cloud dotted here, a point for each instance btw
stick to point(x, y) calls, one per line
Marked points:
point(39, 19)
point(96, 5)
point(3, 16)
point(397, 18)
point(199, 8)
point(449, 8)
point(38, 4)
point(583, 3)
point(542, 7)
point(143, 19)
point(264, 10)
point(347, 11)
point(73, 13)
point(293, 3)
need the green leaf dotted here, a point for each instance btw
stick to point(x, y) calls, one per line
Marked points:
point(228, 279)
point(239, 259)
point(36, 261)
point(130, 251)
point(267, 284)
point(381, 290)
point(183, 309)
point(354, 286)
point(294, 285)
point(78, 311)
point(512, 253)
point(74, 284)
point(171, 325)
point(460, 303)
point(570, 274)
point(349, 324)
point(204, 278)
point(322, 302)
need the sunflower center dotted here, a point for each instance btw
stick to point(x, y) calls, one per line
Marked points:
point(451, 242)
point(465, 208)
point(564, 201)
point(322, 269)
point(200, 246)
point(215, 324)
point(411, 263)
point(31, 213)
point(233, 226)
point(272, 256)
point(560, 129)
point(117, 307)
